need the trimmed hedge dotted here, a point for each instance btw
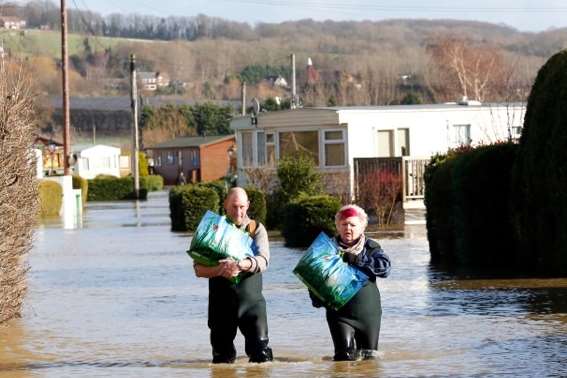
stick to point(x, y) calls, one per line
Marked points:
point(110, 188)
point(151, 183)
point(257, 209)
point(275, 205)
point(439, 204)
point(220, 187)
point(50, 198)
point(468, 214)
point(540, 204)
point(188, 204)
point(83, 184)
point(306, 217)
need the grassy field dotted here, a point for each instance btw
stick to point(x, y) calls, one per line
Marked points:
point(42, 42)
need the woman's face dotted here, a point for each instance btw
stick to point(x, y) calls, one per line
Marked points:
point(350, 229)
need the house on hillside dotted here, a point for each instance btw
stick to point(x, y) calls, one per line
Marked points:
point(340, 138)
point(201, 159)
point(93, 160)
point(151, 81)
point(277, 81)
point(12, 23)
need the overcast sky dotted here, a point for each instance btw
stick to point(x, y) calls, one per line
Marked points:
point(525, 15)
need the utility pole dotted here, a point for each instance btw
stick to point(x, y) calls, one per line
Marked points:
point(243, 98)
point(65, 84)
point(293, 92)
point(135, 134)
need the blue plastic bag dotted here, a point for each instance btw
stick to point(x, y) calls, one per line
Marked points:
point(216, 239)
point(325, 273)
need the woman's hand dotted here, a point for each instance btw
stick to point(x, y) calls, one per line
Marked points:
point(349, 258)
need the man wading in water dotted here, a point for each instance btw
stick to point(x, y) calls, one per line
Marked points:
point(241, 305)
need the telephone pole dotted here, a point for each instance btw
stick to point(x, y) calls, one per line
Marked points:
point(135, 133)
point(65, 85)
point(243, 98)
point(293, 91)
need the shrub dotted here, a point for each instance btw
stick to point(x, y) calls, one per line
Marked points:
point(220, 187)
point(257, 210)
point(298, 174)
point(142, 165)
point(110, 188)
point(306, 217)
point(50, 198)
point(83, 184)
point(18, 183)
point(275, 206)
point(380, 191)
point(151, 183)
point(188, 204)
point(468, 217)
point(482, 220)
point(439, 204)
point(540, 177)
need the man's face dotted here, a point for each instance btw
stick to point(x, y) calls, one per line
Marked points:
point(236, 207)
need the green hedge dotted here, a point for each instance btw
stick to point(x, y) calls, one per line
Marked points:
point(306, 217)
point(50, 198)
point(257, 210)
point(439, 204)
point(110, 188)
point(83, 184)
point(275, 207)
point(220, 187)
point(540, 176)
point(151, 183)
point(188, 204)
point(468, 214)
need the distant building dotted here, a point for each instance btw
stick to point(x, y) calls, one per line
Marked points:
point(312, 73)
point(12, 23)
point(93, 160)
point(151, 81)
point(201, 159)
point(277, 81)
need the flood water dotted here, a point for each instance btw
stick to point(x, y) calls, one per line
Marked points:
point(118, 297)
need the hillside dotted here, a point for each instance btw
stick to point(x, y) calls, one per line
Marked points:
point(356, 62)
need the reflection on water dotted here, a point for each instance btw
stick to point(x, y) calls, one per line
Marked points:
point(118, 297)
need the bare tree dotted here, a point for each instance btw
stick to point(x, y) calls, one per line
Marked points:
point(18, 185)
point(474, 71)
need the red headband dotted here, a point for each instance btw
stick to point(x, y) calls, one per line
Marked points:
point(347, 213)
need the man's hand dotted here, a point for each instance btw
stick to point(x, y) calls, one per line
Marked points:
point(228, 268)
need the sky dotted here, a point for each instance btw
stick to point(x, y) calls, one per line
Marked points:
point(524, 15)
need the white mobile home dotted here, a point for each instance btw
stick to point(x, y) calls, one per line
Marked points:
point(94, 160)
point(336, 136)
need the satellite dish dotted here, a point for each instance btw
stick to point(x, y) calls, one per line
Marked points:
point(255, 106)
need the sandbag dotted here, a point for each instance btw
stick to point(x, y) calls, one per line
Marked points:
point(216, 238)
point(324, 272)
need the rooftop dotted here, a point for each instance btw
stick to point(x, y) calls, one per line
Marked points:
point(182, 142)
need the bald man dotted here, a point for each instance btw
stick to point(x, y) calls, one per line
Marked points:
point(242, 305)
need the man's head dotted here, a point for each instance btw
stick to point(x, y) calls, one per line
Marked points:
point(236, 205)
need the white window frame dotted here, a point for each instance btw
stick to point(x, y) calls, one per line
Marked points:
point(319, 141)
point(323, 142)
point(458, 142)
point(241, 150)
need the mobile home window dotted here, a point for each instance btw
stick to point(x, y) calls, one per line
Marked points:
point(270, 149)
point(170, 158)
point(247, 150)
point(334, 142)
point(300, 141)
point(462, 134)
point(261, 147)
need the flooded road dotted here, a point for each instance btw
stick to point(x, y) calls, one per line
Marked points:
point(118, 297)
